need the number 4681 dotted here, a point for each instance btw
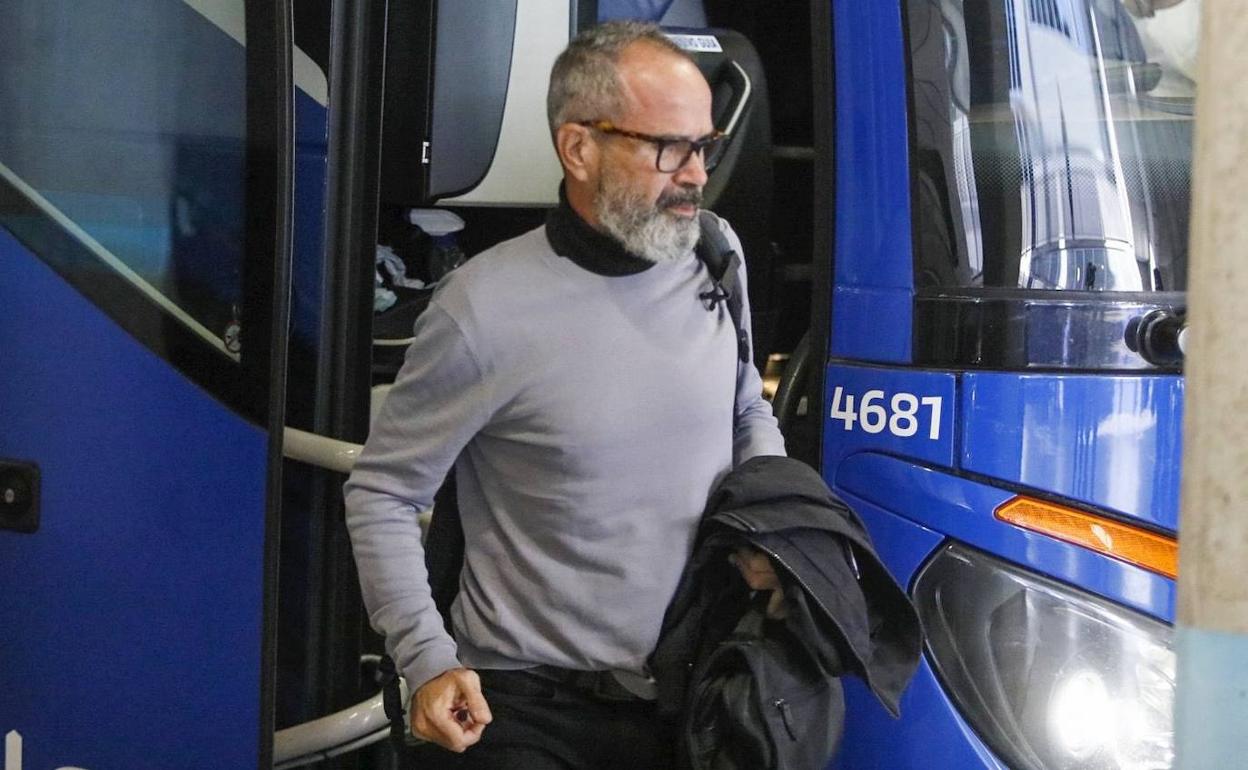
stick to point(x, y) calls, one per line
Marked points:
point(900, 416)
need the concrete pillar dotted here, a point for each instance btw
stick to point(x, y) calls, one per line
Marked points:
point(1212, 697)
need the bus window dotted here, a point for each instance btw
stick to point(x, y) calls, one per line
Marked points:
point(123, 132)
point(1051, 177)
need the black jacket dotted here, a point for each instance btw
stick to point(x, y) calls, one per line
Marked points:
point(756, 693)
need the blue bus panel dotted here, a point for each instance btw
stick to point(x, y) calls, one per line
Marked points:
point(873, 290)
point(1113, 441)
point(963, 509)
point(130, 622)
point(906, 412)
point(930, 733)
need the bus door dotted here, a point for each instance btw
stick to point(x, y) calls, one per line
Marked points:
point(144, 228)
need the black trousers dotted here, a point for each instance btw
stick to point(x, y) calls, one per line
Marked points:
point(544, 725)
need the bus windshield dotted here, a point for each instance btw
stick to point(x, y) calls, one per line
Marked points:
point(1052, 143)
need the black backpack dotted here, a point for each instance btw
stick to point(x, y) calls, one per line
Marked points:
point(762, 700)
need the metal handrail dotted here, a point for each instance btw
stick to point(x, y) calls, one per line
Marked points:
point(323, 452)
point(352, 728)
point(364, 723)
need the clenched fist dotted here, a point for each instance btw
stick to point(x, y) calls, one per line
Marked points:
point(450, 710)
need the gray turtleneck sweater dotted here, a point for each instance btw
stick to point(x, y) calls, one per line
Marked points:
point(587, 403)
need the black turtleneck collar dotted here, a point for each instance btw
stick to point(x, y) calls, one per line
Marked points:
point(574, 238)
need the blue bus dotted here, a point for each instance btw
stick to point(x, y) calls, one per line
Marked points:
point(1003, 393)
point(966, 225)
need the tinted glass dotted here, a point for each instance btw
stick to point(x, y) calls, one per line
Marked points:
point(1052, 143)
point(122, 138)
point(1051, 172)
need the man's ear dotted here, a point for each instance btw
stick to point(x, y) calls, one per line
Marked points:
point(578, 152)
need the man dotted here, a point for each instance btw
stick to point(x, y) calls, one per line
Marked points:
point(585, 394)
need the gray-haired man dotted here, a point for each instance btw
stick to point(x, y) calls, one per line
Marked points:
point(586, 397)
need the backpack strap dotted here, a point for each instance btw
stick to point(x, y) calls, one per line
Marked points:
point(723, 263)
point(392, 703)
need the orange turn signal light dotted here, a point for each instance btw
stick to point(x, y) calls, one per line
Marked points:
point(1133, 545)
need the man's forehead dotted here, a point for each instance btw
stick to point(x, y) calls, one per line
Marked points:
point(656, 82)
point(645, 64)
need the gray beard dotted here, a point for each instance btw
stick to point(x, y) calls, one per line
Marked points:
point(644, 230)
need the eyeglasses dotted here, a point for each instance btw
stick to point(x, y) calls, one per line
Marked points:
point(672, 152)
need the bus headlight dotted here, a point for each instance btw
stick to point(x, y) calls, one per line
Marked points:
point(1051, 677)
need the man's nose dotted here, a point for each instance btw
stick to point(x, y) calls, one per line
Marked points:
point(692, 173)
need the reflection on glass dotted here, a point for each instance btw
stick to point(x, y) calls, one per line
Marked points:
point(1053, 143)
point(125, 124)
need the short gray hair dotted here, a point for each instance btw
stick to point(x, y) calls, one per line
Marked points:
point(584, 84)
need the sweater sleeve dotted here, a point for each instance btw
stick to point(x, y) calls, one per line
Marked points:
point(439, 400)
point(755, 431)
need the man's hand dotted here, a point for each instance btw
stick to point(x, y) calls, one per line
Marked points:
point(759, 575)
point(450, 710)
